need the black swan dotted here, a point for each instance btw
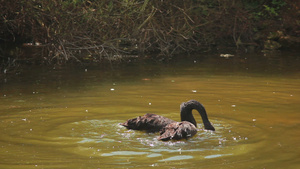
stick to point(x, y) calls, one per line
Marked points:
point(170, 129)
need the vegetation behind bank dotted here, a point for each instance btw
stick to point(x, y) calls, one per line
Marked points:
point(82, 30)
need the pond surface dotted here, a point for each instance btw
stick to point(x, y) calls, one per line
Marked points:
point(69, 118)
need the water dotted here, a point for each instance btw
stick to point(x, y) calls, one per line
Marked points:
point(68, 118)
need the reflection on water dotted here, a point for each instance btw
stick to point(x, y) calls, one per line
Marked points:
point(57, 118)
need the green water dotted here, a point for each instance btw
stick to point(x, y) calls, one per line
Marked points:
point(68, 118)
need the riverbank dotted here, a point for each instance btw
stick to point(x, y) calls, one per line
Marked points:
point(59, 32)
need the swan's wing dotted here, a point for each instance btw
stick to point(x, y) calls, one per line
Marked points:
point(177, 131)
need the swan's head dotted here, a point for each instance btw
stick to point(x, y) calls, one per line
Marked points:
point(209, 126)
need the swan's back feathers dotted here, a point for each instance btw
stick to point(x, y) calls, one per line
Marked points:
point(177, 131)
point(148, 122)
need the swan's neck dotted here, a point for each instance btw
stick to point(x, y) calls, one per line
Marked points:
point(186, 113)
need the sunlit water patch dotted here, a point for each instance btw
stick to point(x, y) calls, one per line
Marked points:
point(106, 138)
